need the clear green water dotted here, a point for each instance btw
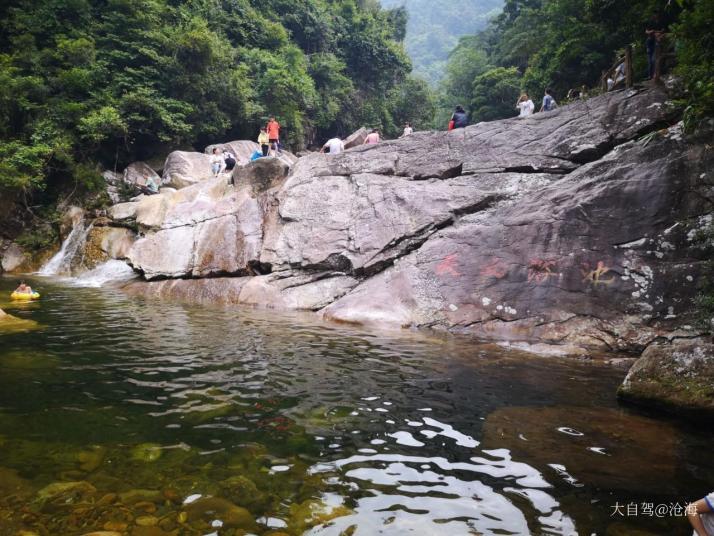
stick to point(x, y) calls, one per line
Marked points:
point(117, 414)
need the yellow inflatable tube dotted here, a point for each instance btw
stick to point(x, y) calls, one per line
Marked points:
point(25, 296)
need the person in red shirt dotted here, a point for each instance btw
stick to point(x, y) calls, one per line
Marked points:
point(273, 128)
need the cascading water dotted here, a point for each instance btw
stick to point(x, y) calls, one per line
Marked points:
point(111, 271)
point(61, 263)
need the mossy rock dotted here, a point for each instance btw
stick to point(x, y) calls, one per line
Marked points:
point(676, 377)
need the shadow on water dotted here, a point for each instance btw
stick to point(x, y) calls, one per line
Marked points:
point(156, 418)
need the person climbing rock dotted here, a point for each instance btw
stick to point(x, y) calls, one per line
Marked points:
point(372, 138)
point(407, 130)
point(525, 105)
point(548, 102)
point(333, 146)
point(459, 117)
point(273, 129)
point(264, 141)
point(23, 288)
point(701, 515)
point(217, 162)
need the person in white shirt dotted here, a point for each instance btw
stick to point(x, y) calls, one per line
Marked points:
point(333, 146)
point(218, 163)
point(525, 105)
point(407, 130)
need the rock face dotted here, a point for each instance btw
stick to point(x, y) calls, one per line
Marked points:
point(184, 168)
point(139, 172)
point(356, 138)
point(572, 227)
point(674, 376)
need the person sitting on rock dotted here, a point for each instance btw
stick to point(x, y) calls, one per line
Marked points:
point(407, 130)
point(149, 186)
point(264, 141)
point(459, 117)
point(701, 515)
point(525, 105)
point(548, 102)
point(230, 160)
point(217, 162)
point(333, 145)
point(23, 288)
point(372, 138)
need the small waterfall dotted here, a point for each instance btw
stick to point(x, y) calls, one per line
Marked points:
point(62, 262)
point(108, 272)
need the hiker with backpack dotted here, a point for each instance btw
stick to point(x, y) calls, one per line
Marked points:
point(459, 119)
point(548, 102)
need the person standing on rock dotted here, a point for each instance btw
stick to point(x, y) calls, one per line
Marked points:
point(372, 138)
point(217, 162)
point(264, 141)
point(459, 117)
point(548, 102)
point(525, 105)
point(273, 129)
point(407, 130)
point(333, 146)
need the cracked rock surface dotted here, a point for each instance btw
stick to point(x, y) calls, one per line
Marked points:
point(570, 227)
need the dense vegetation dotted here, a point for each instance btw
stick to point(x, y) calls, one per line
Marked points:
point(91, 84)
point(564, 44)
point(434, 28)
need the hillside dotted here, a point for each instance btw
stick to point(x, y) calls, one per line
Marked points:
point(434, 28)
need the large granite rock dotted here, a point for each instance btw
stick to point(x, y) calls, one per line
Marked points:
point(570, 228)
point(677, 376)
point(139, 173)
point(356, 138)
point(183, 168)
point(12, 258)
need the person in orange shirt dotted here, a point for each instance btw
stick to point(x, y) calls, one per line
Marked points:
point(273, 128)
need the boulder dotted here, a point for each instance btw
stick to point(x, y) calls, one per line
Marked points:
point(183, 169)
point(12, 258)
point(123, 211)
point(138, 173)
point(676, 377)
point(356, 138)
point(261, 175)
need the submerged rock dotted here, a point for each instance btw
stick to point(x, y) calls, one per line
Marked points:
point(676, 377)
point(603, 447)
point(147, 452)
point(211, 508)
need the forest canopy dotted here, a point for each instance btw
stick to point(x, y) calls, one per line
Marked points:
point(566, 44)
point(92, 84)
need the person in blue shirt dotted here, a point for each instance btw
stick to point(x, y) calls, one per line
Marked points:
point(460, 118)
point(548, 102)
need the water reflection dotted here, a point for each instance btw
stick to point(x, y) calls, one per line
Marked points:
point(218, 420)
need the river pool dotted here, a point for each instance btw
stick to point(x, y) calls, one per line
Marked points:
point(152, 418)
